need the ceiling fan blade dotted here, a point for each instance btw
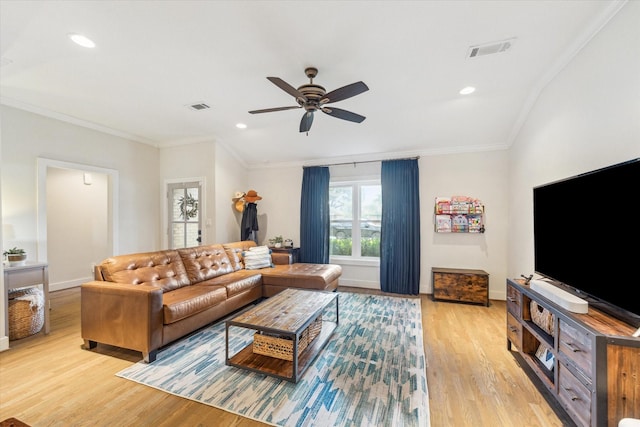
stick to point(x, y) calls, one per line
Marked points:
point(287, 88)
point(344, 92)
point(269, 110)
point(343, 114)
point(307, 120)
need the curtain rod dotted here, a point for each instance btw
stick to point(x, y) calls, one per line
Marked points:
point(364, 161)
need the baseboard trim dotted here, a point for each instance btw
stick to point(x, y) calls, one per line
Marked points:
point(4, 343)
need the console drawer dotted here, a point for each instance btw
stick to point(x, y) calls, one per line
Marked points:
point(514, 301)
point(574, 396)
point(514, 331)
point(577, 346)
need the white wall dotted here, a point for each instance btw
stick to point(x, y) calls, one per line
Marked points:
point(279, 209)
point(189, 163)
point(480, 175)
point(27, 137)
point(77, 225)
point(586, 118)
point(230, 176)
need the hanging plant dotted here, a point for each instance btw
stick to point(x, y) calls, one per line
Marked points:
point(188, 206)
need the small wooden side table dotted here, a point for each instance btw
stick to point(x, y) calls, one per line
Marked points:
point(294, 252)
point(30, 274)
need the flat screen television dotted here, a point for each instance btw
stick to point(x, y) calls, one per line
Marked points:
point(587, 237)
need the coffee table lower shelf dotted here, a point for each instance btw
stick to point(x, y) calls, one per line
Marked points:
point(279, 368)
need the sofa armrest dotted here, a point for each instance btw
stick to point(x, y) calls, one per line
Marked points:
point(281, 258)
point(122, 315)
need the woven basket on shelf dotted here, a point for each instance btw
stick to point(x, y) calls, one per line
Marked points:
point(26, 312)
point(542, 317)
point(282, 347)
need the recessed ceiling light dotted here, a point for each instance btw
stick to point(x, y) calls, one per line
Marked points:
point(82, 40)
point(467, 90)
point(241, 126)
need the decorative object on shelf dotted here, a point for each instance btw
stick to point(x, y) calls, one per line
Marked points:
point(545, 356)
point(15, 256)
point(188, 206)
point(527, 279)
point(459, 214)
point(238, 200)
point(276, 242)
point(288, 243)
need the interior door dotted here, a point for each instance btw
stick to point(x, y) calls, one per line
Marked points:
point(185, 218)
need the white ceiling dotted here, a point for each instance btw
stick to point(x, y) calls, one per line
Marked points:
point(154, 58)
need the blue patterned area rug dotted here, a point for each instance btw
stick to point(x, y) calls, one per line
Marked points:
point(372, 372)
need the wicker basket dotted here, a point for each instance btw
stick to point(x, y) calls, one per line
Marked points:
point(542, 317)
point(26, 312)
point(282, 347)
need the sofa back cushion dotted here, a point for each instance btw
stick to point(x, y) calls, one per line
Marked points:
point(163, 269)
point(235, 250)
point(205, 262)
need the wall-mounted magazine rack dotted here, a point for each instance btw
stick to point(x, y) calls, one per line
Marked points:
point(459, 214)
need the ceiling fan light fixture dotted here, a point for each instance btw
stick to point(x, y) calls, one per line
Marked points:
point(81, 40)
point(467, 90)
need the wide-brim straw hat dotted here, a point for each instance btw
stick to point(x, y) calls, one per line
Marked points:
point(252, 196)
point(237, 196)
point(239, 205)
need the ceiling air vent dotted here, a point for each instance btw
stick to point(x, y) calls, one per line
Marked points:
point(489, 48)
point(199, 106)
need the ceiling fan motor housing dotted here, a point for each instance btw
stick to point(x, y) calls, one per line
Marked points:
point(313, 93)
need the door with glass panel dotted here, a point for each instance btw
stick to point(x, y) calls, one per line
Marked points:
point(185, 219)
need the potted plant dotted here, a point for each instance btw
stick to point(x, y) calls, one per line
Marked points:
point(15, 255)
point(277, 241)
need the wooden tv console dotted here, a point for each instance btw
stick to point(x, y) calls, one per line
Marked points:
point(594, 361)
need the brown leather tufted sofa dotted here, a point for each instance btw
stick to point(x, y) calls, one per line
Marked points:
point(144, 301)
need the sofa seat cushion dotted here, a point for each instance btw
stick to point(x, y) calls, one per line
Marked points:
point(163, 269)
point(237, 282)
point(302, 275)
point(205, 262)
point(189, 300)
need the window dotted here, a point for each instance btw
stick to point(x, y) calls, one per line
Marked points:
point(355, 211)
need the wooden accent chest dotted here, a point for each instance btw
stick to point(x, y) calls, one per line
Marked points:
point(460, 285)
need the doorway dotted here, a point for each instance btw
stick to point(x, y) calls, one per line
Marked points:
point(77, 219)
point(184, 214)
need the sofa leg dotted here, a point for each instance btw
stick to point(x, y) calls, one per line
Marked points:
point(88, 344)
point(150, 357)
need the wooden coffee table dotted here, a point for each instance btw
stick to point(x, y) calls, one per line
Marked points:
point(286, 314)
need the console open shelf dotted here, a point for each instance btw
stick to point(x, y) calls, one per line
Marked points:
point(592, 357)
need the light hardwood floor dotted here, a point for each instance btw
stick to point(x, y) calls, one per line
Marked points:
point(51, 381)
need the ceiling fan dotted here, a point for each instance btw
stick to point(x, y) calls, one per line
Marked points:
point(313, 97)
